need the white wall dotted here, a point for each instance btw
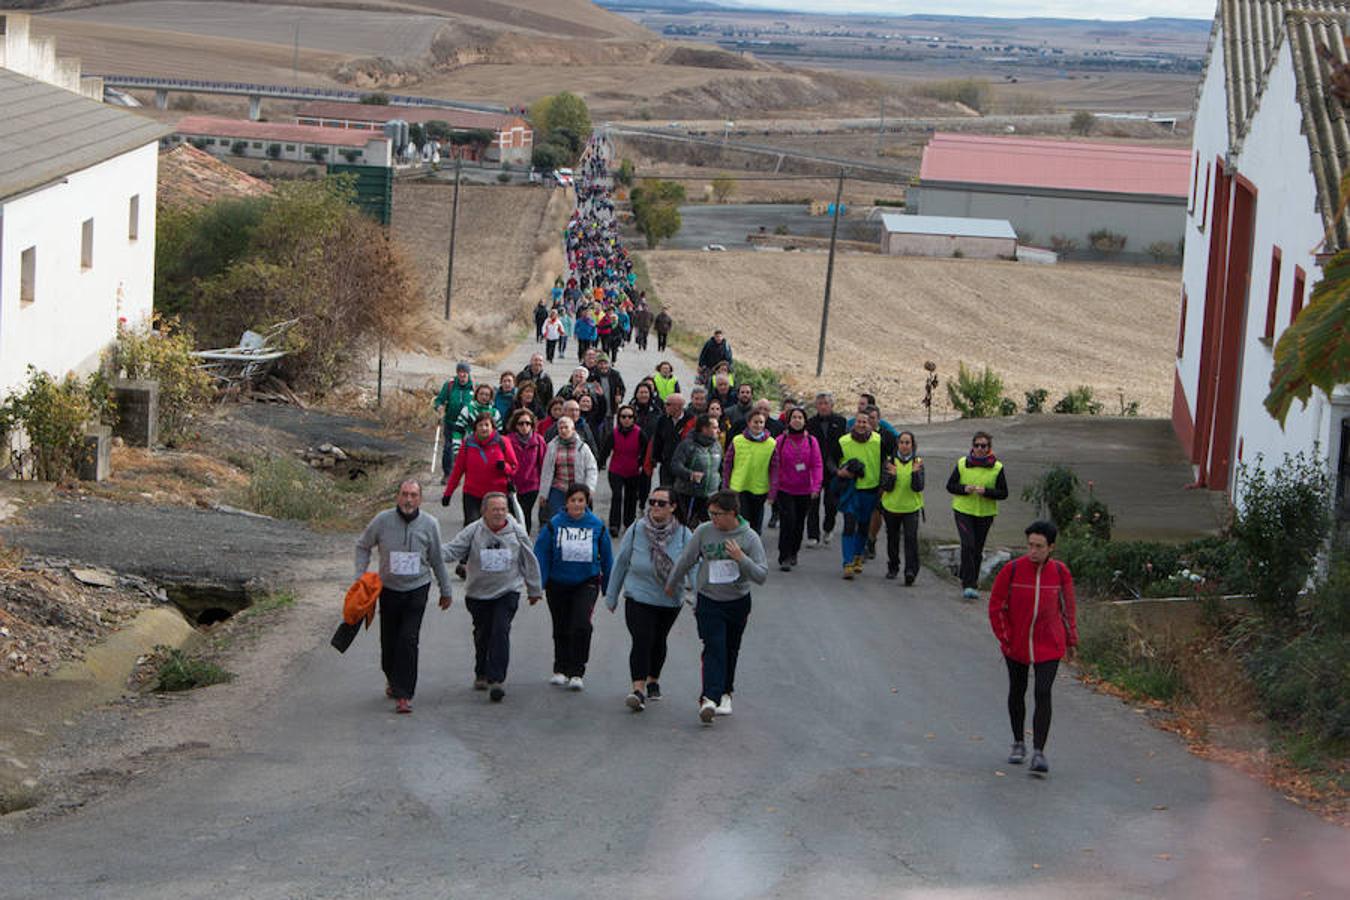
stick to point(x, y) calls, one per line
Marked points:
point(75, 311)
point(1275, 157)
point(378, 151)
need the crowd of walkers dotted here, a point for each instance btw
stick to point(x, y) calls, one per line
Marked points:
point(696, 477)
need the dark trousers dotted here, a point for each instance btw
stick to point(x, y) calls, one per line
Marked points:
point(400, 627)
point(527, 503)
point(695, 509)
point(1017, 700)
point(661, 341)
point(447, 453)
point(473, 508)
point(623, 500)
point(649, 627)
point(831, 503)
point(721, 625)
point(644, 488)
point(972, 530)
point(582, 346)
point(550, 348)
point(571, 606)
point(908, 525)
point(642, 339)
point(752, 508)
point(492, 634)
point(792, 512)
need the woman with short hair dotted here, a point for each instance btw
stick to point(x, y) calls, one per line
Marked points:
point(575, 557)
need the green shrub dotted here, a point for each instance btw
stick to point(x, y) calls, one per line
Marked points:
point(1082, 122)
point(975, 396)
point(625, 173)
point(780, 229)
point(179, 671)
point(1078, 402)
point(1283, 518)
point(1007, 407)
point(503, 177)
point(53, 414)
point(286, 488)
point(1036, 398)
point(1054, 493)
point(1116, 651)
point(766, 382)
point(165, 356)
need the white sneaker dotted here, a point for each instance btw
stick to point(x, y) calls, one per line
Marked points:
point(575, 683)
point(558, 678)
point(724, 708)
point(706, 710)
point(825, 539)
point(812, 543)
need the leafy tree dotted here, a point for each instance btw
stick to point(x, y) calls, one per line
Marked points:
point(722, 188)
point(547, 156)
point(658, 222)
point(625, 173)
point(436, 130)
point(417, 136)
point(198, 244)
point(565, 110)
point(1082, 122)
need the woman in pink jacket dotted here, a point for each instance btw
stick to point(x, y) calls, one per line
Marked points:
point(794, 484)
point(1034, 616)
point(529, 446)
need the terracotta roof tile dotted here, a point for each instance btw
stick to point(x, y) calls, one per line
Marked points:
point(189, 177)
point(243, 129)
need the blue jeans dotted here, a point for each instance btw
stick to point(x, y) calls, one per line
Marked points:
point(854, 542)
point(721, 625)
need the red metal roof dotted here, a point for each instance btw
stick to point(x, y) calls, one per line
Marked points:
point(1065, 165)
point(363, 112)
point(243, 129)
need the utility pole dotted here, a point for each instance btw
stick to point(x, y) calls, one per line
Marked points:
point(829, 275)
point(379, 376)
point(881, 128)
point(454, 222)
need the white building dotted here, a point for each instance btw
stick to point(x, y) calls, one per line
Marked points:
point(36, 57)
point(947, 236)
point(77, 226)
point(282, 140)
point(1270, 147)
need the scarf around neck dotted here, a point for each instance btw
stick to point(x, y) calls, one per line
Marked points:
point(658, 536)
point(986, 462)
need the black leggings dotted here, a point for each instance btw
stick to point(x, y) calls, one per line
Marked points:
point(527, 501)
point(1017, 700)
point(649, 626)
point(623, 499)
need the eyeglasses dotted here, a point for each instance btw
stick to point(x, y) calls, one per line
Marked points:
point(659, 504)
point(980, 445)
point(713, 511)
point(625, 416)
point(526, 422)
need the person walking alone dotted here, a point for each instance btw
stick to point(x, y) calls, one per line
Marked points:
point(662, 325)
point(500, 563)
point(642, 563)
point(976, 484)
point(902, 506)
point(798, 472)
point(1033, 613)
point(409, 544)
point(575, 556)
point(730, 557)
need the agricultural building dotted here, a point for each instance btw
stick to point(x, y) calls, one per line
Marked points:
point(281, 140)
point(77, 225)
point(1269, 152)
point(513, 139)
point(947, 236)
point(1059, 193)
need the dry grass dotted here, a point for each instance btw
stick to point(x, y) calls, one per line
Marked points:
point(167, 478)
point(1055, 327)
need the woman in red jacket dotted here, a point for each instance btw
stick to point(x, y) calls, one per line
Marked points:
point(1034, 617)
point(486, 462)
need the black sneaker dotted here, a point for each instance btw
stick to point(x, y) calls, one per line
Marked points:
point(653, 691)
point(636, 701)
point(1018, 754)
point(496, 692)
point(909, 581)
point(793, 561)
point(871, 549)
point(892, 573)
point(1039, 765)
point(785, 566)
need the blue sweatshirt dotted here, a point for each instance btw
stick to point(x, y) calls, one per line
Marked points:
point(565, 536)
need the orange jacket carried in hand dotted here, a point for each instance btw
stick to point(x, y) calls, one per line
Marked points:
point(361, 599)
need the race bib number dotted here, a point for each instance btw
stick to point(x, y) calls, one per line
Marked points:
point(576, 545)
point(723, 571)
point(402, 562)
point(498, 560)
point(801, 467)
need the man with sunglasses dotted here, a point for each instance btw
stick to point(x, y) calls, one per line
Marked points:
point(976, 484)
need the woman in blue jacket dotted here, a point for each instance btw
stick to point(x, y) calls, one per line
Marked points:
point(575, 557)
point(645, 557)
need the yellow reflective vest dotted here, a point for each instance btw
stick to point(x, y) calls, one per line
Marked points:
point(903, 498)
point(981, 476)
point(869, 453)
point(750, 464)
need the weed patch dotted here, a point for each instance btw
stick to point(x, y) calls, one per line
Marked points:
point(286, 488)
point(179, 671)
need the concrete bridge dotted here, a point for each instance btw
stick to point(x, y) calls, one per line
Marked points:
point(256, 92)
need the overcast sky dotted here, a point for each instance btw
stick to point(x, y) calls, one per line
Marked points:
point(1068, 9)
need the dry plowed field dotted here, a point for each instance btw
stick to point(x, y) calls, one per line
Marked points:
point(1110, 327)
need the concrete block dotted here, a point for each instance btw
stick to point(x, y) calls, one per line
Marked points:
point(137, 403)
point(96, 462)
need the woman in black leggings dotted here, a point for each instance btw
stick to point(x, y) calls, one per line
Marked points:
point(1033, 614)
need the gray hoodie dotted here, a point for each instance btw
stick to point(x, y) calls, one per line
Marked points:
point(421, 536)
point(515, 566)
point(709, 546)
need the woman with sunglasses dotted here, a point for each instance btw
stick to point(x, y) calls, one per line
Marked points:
point(623, 447)
point(976, 484)
point(643, 561)
point(530, 448)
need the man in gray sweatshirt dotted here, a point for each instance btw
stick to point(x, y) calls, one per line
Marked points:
point(499, 557)
point(732, 557)
point(410, 552)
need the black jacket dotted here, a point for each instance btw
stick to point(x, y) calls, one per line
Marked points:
point(543, 385)
point(828, 430)
point(712, 354)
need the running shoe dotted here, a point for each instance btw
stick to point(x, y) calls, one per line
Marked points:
point(559, 679)
point(970, 594)
point(653, 691)
point(575, 683)
point(403, 705)
point(848, 572)
point(480, 684)
point(1039, 764)
point(891, 573)
point(496, 692)
point(636, 701)
point(812, 543)
point(1018, 754)
point(724, 708)
point(858, 563)
point(706, 710)
point(785, 567)
point(825, 539)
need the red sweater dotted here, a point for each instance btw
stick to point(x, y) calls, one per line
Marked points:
point(1032, 610)
point(477, 465)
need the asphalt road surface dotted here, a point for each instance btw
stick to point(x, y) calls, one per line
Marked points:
point(865, 759)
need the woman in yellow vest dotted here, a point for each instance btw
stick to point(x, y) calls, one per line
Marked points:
point(902, 505)
point(745, 468)
point(665, 380)
point(976, 484)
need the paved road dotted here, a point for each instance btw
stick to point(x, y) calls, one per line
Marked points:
point(865, 759)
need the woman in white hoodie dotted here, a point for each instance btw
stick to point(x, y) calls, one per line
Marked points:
point(568, 460)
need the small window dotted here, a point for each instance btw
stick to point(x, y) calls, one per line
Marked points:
point(1300, 279)
point(87, 244)
point(257, 145)
point(28, 276)
point(1195, 182)
point(1273, 298)
point(290, 148)
point(210, 142)
point(1181, 329)
point(1204, 210)
point(134, 217)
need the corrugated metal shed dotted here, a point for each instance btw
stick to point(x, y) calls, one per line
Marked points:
point(243, 129)
point(947, 225)
point(1062, 165)
point(50, 132)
